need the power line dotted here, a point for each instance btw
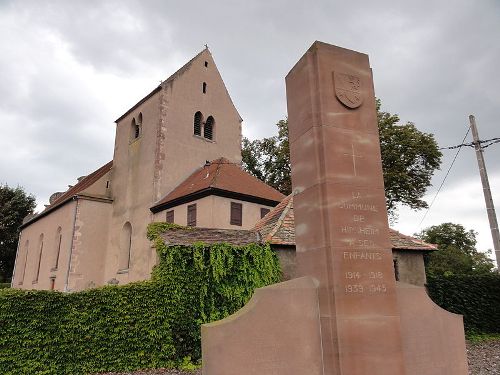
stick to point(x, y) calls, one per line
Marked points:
point(484, 144)
point(444, 179)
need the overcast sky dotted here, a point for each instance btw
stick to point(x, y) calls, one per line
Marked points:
point(68, 69)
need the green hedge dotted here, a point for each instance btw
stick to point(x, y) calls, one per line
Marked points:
point(141, 325)
point(477, 298)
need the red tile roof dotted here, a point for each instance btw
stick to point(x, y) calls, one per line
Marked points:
point(278, 228)
point(403, 242)
point(223, 178)
point(83, 184)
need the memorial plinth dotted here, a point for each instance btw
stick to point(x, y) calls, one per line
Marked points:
point(342, 237)
point(365, 324)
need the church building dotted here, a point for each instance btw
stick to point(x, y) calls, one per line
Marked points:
point(177, 158)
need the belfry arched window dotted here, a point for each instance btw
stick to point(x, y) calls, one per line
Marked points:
point(198, 118)
point(135, 129)
point(208, 130)
point(138, 128)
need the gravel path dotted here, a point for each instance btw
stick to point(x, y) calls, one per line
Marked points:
point(484, 359)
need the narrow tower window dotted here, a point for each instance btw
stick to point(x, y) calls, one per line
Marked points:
point(138, 126)
point(58, 241)
point(197, 123)
point(26, 249)
point(134, 130)
point(204, 87)
point(208, 131)
point(39, 260)
point(206, 64)
point(125, 247)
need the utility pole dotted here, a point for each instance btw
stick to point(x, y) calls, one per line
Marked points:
point(490, 208)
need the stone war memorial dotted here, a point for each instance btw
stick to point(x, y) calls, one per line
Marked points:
point(346, 314)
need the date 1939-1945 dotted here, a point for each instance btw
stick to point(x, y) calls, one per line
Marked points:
point(361, 289)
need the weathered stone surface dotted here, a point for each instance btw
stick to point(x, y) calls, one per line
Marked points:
point(340, 216)
point(276, 333)
point(368, 326)
point(433, 338)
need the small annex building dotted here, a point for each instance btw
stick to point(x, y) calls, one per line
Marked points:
point(177, 158)
point(278, 229)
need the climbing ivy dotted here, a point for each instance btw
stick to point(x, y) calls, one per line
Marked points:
point(147, 324)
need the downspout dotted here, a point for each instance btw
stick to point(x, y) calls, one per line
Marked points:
point(71, 245)
point(15, 261)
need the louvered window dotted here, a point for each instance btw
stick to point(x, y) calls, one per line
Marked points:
point(170, 216)
point(264, 212)
point(208, 132)
point(236, 213)
point(197, 123)
point(191, 215)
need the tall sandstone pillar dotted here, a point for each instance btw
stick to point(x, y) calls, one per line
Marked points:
point(341, 223)
point(345, 315)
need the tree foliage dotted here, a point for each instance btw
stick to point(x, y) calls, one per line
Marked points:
point(457, 254)
point(409, 159)
point(15, 204)
point(268, 159)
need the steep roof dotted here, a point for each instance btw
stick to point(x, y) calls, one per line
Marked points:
point(278, 228)
point(177, 73)
point(222, 178)
point(158, 88)
point(83, 184)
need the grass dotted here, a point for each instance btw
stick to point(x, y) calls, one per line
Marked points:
point(482, 337)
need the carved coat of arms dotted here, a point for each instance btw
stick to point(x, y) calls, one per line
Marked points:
point(348, 89)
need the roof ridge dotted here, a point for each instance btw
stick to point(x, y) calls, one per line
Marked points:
point(414, 239)
point(279, 222)
point(74, 189)
point(169, 79)
point(217, 170)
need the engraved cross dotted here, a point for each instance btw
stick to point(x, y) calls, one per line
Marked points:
point(354, 156)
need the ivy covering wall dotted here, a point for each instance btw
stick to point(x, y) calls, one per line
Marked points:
point(477, 298)
point(148, 324)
